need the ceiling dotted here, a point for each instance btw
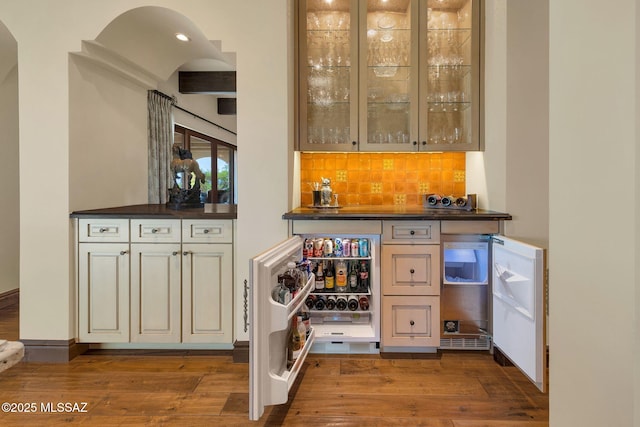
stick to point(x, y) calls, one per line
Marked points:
point(145, 36)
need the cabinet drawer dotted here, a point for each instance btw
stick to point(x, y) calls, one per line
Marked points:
point(155, 230)
point(411, 232)
point(411, 270)
point(207, 231)
point(103, 230)
point(411, 321)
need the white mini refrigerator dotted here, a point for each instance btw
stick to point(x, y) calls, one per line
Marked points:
point(270, 376)
point(518, 306)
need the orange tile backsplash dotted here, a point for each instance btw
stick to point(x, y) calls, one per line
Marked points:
point(383, 178)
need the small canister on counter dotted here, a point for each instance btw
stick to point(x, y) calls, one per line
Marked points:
point(354, 247)
point(364, 247)
point(346, 247)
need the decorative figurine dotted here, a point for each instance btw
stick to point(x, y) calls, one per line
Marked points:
point(188, 196)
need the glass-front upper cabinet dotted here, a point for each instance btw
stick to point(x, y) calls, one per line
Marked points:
point(389, 75)
point(388, 79)
point(450, 75)
point(328, 75)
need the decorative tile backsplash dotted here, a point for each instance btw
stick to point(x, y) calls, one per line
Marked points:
point(383, 178)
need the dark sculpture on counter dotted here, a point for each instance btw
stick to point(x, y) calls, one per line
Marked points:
point(183, 164)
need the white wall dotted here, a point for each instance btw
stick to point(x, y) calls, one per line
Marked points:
point(256, 30)
point(9, 173)
point(593, 144)
point(107, 138)
point(527, 124)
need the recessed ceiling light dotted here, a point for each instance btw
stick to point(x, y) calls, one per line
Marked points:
point(182, 37)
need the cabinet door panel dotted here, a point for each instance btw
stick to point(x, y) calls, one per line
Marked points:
point(410, 321)
point(103, 292)
point(207, 286)
point(155, 293)
point(411, 269)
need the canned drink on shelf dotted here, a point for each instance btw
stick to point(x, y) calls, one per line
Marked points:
point(354, 247)
point(318, 247)
point(328, 247)
point(346, 247)
point(338, 247)
point(307, 250)
point(364, 247)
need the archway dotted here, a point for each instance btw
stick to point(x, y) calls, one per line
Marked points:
point(108, 84)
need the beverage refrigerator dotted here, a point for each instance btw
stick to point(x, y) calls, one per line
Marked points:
point(354, 328)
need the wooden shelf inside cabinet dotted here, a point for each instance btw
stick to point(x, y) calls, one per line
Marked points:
point(281, 314)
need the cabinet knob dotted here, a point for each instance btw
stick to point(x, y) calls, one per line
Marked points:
point(412, 271)
point(412, 323)
point(412, 232)
point(124, 252)
point(185, 253)
point(154, 230)
point(175, 253)
point(415, 142)
point(206, 231)
point(424, 142)
point(103, 230)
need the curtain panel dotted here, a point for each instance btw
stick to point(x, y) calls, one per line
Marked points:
point(160, 133)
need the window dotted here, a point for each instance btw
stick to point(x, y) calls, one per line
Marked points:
point(204, 149)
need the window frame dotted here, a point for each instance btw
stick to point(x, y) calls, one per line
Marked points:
point(215, 144)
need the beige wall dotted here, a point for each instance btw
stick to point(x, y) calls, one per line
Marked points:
point(593, 141)
point(9, 173)
point(107, 138)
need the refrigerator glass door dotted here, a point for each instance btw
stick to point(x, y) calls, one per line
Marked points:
point(269, 325)
point(518, 306)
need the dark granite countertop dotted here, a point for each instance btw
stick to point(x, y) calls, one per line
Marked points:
point(394, 212)
point(218, 211)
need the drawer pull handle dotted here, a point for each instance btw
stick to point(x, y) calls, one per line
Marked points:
point(412, 232)
point(412, 271)
point(412, 323)
point(103, 229)
point(124, 252)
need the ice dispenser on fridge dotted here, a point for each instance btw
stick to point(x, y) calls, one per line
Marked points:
point(464, 305)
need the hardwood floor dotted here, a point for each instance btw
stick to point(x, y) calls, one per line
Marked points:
point(459, 389)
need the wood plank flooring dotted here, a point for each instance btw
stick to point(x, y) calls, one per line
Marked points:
point(458, 389)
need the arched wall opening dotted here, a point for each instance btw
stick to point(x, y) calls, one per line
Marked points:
point(108, 84)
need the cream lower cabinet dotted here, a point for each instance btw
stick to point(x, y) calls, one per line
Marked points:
point(206, 293)
point(410, 285)
point(155, 292)
point(171, 281)
point(103, 294)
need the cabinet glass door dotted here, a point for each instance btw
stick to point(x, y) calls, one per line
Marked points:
point(328, 56)
point(388, 85)
point(450, 75)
